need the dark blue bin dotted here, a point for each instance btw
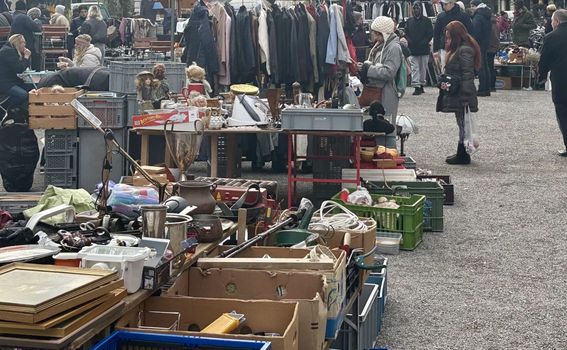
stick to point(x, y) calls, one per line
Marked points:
point(150, 341)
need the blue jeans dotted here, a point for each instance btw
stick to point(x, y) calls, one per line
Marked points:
point(19, 95)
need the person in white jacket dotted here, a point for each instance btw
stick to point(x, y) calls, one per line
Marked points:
point(86, 54)
point(59, 18)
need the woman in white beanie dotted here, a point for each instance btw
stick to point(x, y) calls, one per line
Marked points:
point(86, 54)
point(381, 68)
point(58, 18)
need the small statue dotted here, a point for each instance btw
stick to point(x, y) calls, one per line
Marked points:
point(147, 90)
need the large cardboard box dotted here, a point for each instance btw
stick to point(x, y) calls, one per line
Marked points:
point(307, 289)
point(279, 321)
point(365, 240)
point(289, 259)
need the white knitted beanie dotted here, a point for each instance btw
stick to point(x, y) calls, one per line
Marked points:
point(384, 25)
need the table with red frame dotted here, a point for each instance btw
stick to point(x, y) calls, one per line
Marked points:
point(293, 179)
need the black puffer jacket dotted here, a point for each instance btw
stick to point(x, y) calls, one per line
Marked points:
point(455, 14)
point(419, 32)
point(200, 46)
point(460, 65)
point(482, 27)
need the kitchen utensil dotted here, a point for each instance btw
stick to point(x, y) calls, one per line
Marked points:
point(153, 220)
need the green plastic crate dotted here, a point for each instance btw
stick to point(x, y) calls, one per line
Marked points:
point(434, 196)
point(407, 219)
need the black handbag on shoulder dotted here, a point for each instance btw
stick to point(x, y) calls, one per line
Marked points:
point(450, 84)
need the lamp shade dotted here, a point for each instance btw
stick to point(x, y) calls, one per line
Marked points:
point(157, 6)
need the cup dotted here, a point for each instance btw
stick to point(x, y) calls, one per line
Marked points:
point(153, 220)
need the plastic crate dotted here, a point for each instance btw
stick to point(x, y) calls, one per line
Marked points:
point(60, 158)
point(434, 196)
point(146, 341)
point(448, 187)
point(131, 107)
point(409, 163)
point(388, 242)
point(123, 75)
point(109, 107)
point(322, 119)
point(407, 219)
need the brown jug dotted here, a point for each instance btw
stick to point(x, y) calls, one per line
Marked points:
point(199, 194)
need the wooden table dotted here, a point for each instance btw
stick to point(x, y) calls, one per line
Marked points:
point(90, 333)
point(229, 133)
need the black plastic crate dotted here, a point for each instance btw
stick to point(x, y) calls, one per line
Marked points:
point(60, 154)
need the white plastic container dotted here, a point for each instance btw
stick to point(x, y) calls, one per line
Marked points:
point(129, 261)
point(388, 242)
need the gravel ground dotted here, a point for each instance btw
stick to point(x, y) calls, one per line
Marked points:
point(496, 277)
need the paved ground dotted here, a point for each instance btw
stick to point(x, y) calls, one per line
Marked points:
point(496, 277)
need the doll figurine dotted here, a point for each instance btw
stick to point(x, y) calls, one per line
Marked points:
point(196, 74)
point(147, 88)
point(163, 90)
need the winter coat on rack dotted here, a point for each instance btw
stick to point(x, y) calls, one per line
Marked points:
point(323, 31)
point(273, 50)
point(223, 41)
point(337, 47)
point(304, 51)
point(444, 18)
point(482, 27)
point(461, 65)
point(294, 47)
point(200, 46)
point(232, 59)
point(419, 32)
point(246, 57)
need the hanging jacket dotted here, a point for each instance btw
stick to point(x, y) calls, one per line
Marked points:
point(273, 50)
point(200, 46)
point(323, 32)
point(246, 59)
point(294, 48)
point(419, 32)
point(219, 12)
point(444, 18)
point(233, 51)
point(303, 52)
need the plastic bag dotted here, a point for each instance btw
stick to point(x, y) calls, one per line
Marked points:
point(471, 141)
point(406, 125)
point(360, 196)
point(126, 199)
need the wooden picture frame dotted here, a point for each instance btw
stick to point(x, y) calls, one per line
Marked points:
point(30, 289)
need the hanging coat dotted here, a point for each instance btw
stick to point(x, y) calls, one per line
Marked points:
point(273, 50)
point(246, 59)
point(200, 46)
point(322, 39)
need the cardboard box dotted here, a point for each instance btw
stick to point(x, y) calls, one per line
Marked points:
point(358, 240)
point(288, 259)
point(261, 316)
point(307, 289)
point(503, 83)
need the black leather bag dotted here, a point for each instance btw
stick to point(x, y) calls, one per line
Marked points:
point(449, 84)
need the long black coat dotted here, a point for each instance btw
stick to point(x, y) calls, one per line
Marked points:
point(419, 32)
point(10, 66)
point(554, 59)
point(461, 65)
point(200, 46)
point(444, 18)
point(482, 27)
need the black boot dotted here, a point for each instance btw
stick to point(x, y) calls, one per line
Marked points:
point(462, 157)
point(421, 89)
point(417, 91)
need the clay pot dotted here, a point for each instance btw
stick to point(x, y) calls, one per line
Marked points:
point(199, 194)
point(208, 228)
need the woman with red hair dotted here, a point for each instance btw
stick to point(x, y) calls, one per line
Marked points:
point(463, 57)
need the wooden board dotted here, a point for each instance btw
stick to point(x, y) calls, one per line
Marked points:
point(46, 122)
point(31, 288)
point(71, 324)
point(265, 264)
point(62, 307)
point(45, 95)
point(52, 110)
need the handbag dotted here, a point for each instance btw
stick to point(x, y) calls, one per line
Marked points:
point(450, 84)
point(369, 94)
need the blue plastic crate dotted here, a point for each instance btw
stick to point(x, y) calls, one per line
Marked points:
point(149, 341)
point(381, 299)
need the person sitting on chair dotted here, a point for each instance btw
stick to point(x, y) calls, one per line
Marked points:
point(14, 60)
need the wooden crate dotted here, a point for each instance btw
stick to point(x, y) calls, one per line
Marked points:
point(50, 110)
